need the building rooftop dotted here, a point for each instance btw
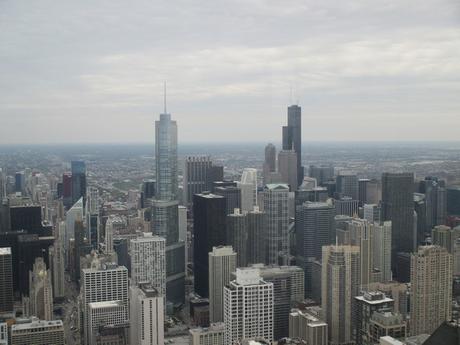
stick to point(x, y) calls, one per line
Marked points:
point(106, 304)
point(277, 186)
point(5, 251)
point(35, 323)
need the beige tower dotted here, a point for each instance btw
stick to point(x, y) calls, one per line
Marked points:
point(340, 284)
point(41, 291)
point(431, 289)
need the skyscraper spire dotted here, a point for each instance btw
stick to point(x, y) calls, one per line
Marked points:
point(165, 95)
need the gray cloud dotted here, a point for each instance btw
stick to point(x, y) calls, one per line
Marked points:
point(74, 71)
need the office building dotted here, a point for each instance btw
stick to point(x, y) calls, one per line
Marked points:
point(209, 226)
point(453, 200)
point(3, 333)
point(398, 292)
point(292, 138)
point(78, 180)
point(248, 307)
point(257, 223)
point(237, 235)
point(148, 261)
point(446, 237)
point(222, 263)
point(73, 215)
point(146, 315)
point(6, 280)
point(269, 161)
point(346, 206)
point(102, 283)
point(315, 228)
point(67, 189)
point(381, 250)
point(435, 200)
point(372, 213)
point(431, 289)
point(108, 239)
point(57, 267)
point(276, 207)
point(398, 206)
point(340, 283)
point(287, 168)
point(322, 174)
point(232, 195)
point(19, 182)
point(347, 185)
point(26, 217)
point(38, 332)
point(248, 187)
point(106, 315)
point(307, 327)
point(212, 335)
point(41, 291)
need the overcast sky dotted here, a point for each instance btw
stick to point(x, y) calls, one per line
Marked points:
point(93, 70)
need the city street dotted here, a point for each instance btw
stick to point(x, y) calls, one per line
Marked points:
point(70, 318)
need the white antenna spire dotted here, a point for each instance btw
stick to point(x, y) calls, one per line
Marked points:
point(165, 95)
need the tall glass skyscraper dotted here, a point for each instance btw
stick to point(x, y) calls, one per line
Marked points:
point(78, 180)
point(292, 138)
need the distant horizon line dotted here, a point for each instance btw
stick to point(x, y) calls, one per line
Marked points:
point(144, 143)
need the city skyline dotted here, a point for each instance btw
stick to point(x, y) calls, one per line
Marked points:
point(374, 69)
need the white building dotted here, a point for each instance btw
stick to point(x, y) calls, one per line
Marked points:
point(38, 332)
point(74, 214)
point(381, 250)
point(212, 335)
point(146, 315)
point(3, 329)
point(108, 240)
point(222, 263)
point(40, 291)
point(248, 307)
point(104, 283)
point(105, 314)
point(148, 261)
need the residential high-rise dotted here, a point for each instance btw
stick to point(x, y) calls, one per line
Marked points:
point(38, 332)
point(248, 187)
point(3, 333)
point(6, 280)
point(222, 263)
point(102, 283)
point(398, 206)
point(292, 138)
point(372, 212)
point(41, 291)
point(307, 327)
point(78, 180)
point(237, 235)
point(431, 289)
point(146, 315)
point(209, 227)
point(386, 323)
point(315, 228)
point(269, 162)
point(248, 307)
point(148, 261)
point(340, 283)
point(276, 207)
point(347, 185)
point(257, 223)
point(287, 168)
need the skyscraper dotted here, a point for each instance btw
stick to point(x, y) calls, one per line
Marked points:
point(148, 261)
point(237, 235)
point(78, 180)
point(102, 283)
point(146, 315)
point(431, 289)
point(41, 291)
point(347, 185)
point(6, 280)
point(292, 138)
point(248, 186)
point(315, 228)
point(340, 283)
point(109, 236)
point(269, 162)
point(381, 250)
point(209, 227)
point(398, 206)
point(276, 208)
point(257, 224)
point(248, 307)
point(287, 168)
point(222, 263)
point(57, 267)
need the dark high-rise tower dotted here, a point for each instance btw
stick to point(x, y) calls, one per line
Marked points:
point(209, 229)
point(6, 280)
point(292, 138)
point(398, 206)
point(78, 180)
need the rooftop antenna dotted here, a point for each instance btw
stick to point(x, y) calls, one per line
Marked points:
point(165, 95)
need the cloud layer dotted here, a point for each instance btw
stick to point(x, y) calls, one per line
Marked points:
point(92, 71)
